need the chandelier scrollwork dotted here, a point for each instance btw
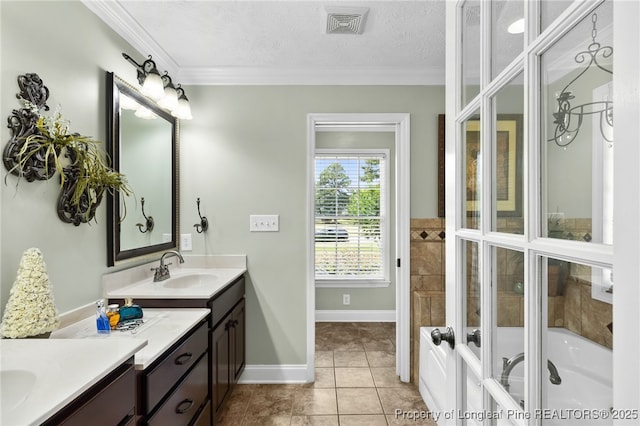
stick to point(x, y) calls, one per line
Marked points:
point(567, 118)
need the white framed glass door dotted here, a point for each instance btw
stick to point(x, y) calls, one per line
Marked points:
point(533, 235)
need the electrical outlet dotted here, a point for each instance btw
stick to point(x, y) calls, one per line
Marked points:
point(185, 242)
point(264, 223)
point(346, 299)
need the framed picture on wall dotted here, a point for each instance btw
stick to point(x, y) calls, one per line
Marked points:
point(508, 165)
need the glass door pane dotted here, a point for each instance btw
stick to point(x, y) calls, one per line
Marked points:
point(507, 152)
point(577, 127)
point(470, 50)
point(473, 334)
point(578, 367)
point(508, 341)
point(507, 33)
point(471, 166)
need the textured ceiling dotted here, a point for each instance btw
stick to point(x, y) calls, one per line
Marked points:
point(283, 42)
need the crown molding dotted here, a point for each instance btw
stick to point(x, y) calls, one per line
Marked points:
point(117, 18)
point(310, 76)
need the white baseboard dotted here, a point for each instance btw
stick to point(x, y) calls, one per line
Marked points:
point(272, 374)
point(356, 316)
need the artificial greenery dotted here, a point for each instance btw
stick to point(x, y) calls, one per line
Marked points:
point(75, 157)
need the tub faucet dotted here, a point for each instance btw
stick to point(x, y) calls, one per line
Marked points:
point(510, 363)
point(162, 271)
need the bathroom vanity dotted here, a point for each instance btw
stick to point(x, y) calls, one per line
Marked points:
point(199, 283)
point(167, 378)
point(75, 381)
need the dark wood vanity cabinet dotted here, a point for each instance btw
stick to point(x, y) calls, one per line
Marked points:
point(226, 332)
point(173, 390)
point(228, 354)
point(109, 402)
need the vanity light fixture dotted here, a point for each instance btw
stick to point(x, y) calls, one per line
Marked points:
point(183, 111)
point(161, 88)
point(567, 118)
point(170, 99)
point(148, 77)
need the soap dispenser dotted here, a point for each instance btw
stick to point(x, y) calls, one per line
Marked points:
point(102, 322)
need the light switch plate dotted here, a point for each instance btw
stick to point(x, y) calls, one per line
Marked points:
point(264, 223)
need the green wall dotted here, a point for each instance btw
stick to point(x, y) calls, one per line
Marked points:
point(243, 153)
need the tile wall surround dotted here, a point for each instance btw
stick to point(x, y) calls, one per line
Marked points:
point(573, 308)
point(427, 281)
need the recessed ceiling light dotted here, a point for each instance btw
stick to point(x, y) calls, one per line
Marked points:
point(517, 27)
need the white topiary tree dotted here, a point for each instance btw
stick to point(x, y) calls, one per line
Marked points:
point(31, 310)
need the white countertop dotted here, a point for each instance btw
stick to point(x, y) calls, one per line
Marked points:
point(41, 376)
point(161, 329)
point(212, 274)
point(204, 289)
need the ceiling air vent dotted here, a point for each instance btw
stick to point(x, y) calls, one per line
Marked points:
point(346, 20)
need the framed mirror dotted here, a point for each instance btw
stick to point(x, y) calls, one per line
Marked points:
point(142, 141)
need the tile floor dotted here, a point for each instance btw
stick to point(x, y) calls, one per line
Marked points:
point(355, 384)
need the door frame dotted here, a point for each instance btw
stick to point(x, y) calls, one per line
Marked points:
point(400, 124)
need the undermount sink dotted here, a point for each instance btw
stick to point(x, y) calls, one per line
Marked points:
point(191, 280)
point(16, 386)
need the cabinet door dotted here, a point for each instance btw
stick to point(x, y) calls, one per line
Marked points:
point(238, 339)
point(220, 368)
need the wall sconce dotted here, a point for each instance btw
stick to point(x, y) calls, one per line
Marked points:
point(204, 223)
point(149, 221)
point(161, 88)
point(567, 118)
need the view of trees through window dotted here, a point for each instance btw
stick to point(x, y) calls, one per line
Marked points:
point(349, 199)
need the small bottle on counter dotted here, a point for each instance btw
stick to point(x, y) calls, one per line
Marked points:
point(113, 313)
point(102, 322)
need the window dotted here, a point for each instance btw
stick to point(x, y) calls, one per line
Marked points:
point(351, 211)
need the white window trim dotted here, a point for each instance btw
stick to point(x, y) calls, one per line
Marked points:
point(363, 282)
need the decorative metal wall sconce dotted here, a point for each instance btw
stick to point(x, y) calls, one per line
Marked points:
point(148, 226)
point(161, 88)
point(37, 144)
point(567, 118)
point(204, 222)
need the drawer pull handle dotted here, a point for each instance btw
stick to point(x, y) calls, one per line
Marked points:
point(184, 406)
point(184, 358)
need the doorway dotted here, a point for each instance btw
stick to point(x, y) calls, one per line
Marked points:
point(399, 268)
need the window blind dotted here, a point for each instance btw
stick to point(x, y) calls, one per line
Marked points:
point(350, 222)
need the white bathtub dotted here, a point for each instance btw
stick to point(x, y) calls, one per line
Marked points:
point(584, 366)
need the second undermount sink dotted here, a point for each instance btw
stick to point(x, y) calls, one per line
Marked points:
point(16, 386)
point(190, 280)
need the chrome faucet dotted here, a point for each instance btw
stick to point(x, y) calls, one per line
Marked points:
point(162, 271)
point(510, 363)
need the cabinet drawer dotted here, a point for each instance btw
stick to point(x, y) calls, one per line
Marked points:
point(113, 403)
point(226, 300)
point(186, 400)
point(161, 378)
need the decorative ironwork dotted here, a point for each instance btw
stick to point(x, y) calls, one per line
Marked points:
point(32, 163)
point(567, 118)
point(22, 123)
point(85, 209)
point(149, 222)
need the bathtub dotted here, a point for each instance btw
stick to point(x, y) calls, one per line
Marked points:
point(585, 368)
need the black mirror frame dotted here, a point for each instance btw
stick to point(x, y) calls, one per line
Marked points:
point(114, 253)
